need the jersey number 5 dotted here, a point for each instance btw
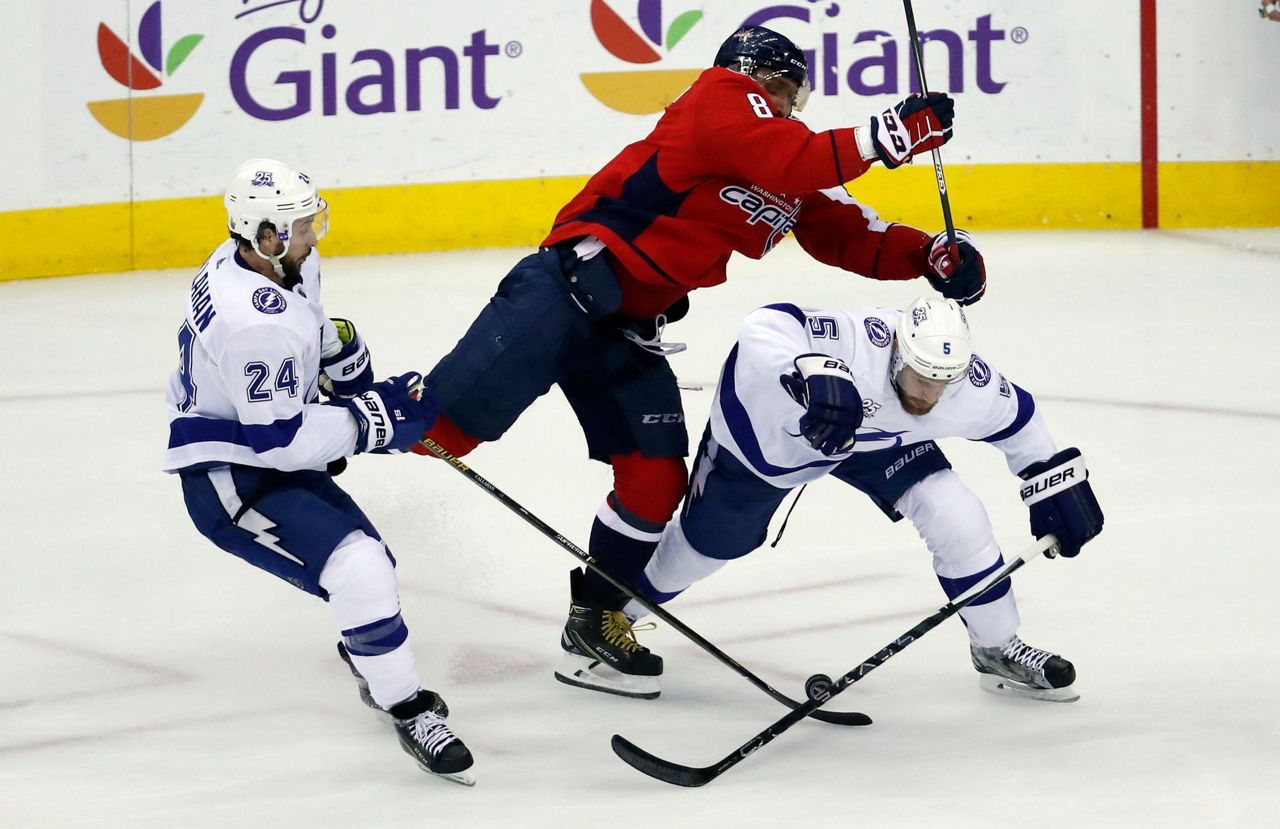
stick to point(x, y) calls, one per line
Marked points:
point(286, 380)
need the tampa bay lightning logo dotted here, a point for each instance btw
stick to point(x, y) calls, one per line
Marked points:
point(877, 331)
point(979, 372)
point(268, 300)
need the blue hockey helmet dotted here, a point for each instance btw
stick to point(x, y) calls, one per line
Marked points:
point(755, 49)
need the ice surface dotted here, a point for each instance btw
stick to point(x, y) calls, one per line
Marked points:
point(150, 680)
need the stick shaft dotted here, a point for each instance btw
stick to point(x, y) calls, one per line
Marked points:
point(937, 156)
point(690, 776)
point(839, 718)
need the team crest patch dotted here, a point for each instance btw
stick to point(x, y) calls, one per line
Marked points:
point(877, 331)
point(268, 300)
point(979, 372)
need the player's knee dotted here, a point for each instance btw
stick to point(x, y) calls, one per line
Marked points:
point(951, 520)
point(359, 574)
point(650, 488)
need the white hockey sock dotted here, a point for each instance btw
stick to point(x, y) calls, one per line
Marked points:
point(957, 530)
point(675, 566)
point(992, 625)
point(365, 603)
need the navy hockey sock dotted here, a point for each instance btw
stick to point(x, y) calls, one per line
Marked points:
point(622, 544)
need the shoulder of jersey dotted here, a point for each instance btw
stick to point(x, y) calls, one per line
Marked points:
point(719, 82)
point(243, 297)
point(875, 325)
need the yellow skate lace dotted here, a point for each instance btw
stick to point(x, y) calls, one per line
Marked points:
point(619, 632)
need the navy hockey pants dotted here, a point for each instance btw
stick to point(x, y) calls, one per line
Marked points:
point(727, 511)
point(534, 334)
point(287, 523)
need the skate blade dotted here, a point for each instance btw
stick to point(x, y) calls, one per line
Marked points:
point(1007, 687)
point(594, 675)
point(464, 778)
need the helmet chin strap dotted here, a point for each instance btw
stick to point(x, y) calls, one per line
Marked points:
point(276, 264)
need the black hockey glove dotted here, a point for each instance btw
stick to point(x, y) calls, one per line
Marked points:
point(957, 272)
point(824, 386)
point(1061, 501)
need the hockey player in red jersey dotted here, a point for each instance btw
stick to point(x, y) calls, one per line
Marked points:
point(727, 168)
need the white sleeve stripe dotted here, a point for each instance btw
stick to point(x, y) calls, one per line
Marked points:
point(840, 195)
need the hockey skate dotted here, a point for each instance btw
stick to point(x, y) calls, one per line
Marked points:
point(420, 725)
point(1020, 670)
point(601, 652)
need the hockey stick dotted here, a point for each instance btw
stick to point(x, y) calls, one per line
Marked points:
point(834, 717)
point(937, 156)
point(679, 775)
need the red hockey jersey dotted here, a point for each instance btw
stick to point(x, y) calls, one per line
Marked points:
point(720, 173)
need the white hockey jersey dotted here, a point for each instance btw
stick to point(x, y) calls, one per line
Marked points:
point(246, 387)
point(755, 418)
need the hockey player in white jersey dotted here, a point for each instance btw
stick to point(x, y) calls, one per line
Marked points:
point(252, 443)
point(862, 396)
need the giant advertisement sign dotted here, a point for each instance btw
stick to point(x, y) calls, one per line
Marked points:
point(140, 100)
point(389, 91)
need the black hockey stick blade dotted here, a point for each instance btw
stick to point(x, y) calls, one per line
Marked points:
point(679, 775)
point(840, 717)
point(659, 769)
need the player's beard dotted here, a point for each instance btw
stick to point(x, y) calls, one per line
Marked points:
point(292, 271)
point(914, 406)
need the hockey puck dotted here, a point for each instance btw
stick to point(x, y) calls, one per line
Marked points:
point(818, 687)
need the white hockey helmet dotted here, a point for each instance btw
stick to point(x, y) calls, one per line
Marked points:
point(933, 339)
point(266, 190)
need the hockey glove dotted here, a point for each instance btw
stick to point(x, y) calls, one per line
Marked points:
point(349, 370)
point(824, 386)
point(957, 271)
point(915, 125)
point(392, 415)
point(1061, 501)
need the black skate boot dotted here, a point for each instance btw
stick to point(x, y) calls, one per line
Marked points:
point(601, 652)
point(1020, 670)
point(425, 737)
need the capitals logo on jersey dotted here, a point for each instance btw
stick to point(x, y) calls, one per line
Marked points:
point(781, 214)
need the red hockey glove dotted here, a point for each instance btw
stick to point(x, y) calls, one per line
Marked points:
point(958, 270)
point(915, 125)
